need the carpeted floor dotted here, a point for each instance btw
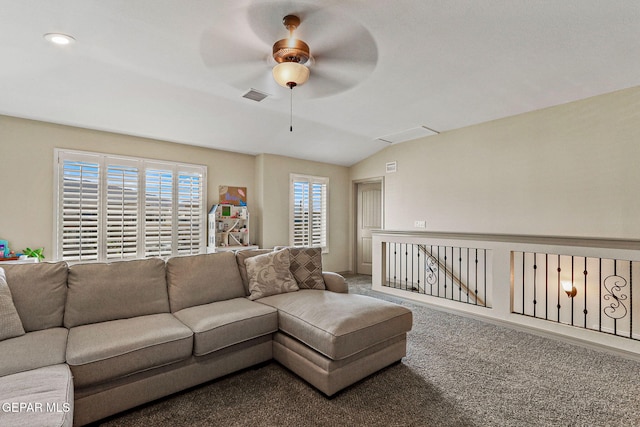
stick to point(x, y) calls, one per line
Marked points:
point(458, 371)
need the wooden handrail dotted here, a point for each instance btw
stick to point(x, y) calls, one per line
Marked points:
point(454, 278)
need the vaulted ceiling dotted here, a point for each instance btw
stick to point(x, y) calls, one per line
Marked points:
point(177, 70)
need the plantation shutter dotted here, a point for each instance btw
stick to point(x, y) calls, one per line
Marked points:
point(308, 211)
point(79, 198)
point(158, 212)
point(111, 207)
point(122, 211)
point(318, 215)
point(191, 225)
point(300, 234)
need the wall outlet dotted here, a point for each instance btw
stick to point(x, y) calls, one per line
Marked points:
point(420, 224)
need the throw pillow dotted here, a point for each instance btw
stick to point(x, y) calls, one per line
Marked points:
point(241, 256)
point(269, 274)
point(10, 323)
point(306, 266)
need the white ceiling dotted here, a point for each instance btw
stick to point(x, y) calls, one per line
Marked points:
point(177, 70)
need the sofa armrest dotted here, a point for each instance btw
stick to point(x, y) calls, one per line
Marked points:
point(335, 282)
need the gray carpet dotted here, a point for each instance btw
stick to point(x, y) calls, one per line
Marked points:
point(458, 371)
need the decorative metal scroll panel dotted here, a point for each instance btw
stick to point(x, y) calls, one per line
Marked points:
point(450, 272)
point(604, 291)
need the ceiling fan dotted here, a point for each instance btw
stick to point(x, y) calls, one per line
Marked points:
point(331, 50)
point(292, 56)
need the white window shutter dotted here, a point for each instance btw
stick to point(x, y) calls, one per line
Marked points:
point(79, 207)
point(191, 222)
point(308, 215)
point(122, 193)
point(158, 212)
point(300, 220)
point(318, 215)
point(113, 207)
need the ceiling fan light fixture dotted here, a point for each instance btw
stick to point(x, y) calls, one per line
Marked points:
point(291, 54)
point(290, 74)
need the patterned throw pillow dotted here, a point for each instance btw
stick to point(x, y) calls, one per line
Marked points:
point(306, 266)
point(269, 274)
point(10, 323)
point(241, 256)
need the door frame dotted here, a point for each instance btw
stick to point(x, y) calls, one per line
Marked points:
point(354, 219)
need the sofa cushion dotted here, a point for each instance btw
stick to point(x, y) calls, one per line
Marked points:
point(202, 279)
point(269, 274)
point(241, 256)
point(10, 324)
point(225, 323)
point(119, 290)
point(47, 281)
point(33, 350)
point(306, 267)
point(45, 393)
point(338, 325)
point(104, 351)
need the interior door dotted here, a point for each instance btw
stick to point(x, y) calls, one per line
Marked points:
point(369, 217)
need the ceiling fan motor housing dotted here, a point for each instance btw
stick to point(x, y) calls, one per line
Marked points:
point(291, 50)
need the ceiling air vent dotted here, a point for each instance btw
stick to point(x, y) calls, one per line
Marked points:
point(255, 95)
point(408, 135)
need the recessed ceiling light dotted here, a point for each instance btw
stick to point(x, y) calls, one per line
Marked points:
point(59, 38)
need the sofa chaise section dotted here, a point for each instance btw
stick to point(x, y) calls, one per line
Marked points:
point(333, 340)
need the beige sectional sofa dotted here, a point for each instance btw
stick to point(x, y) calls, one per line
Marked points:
point(103, 338)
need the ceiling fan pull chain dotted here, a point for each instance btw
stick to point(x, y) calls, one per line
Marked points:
point(291, 110)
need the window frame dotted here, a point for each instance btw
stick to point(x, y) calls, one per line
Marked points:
point(310, 180)
point(107, 163)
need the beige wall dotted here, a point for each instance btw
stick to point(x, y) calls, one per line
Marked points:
point(274, 177)
point(26, 162)
point(569, 170)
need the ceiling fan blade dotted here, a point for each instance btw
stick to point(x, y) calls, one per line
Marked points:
point(352, 43)
point(342, 61)
point(322, 84)
point(261, 80)
point(219, 49)
point(237, 62)
point(331, 76)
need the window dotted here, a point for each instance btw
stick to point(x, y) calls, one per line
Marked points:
point(308, 213)
point(112, 208)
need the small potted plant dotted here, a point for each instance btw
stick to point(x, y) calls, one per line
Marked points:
point(34, 253)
